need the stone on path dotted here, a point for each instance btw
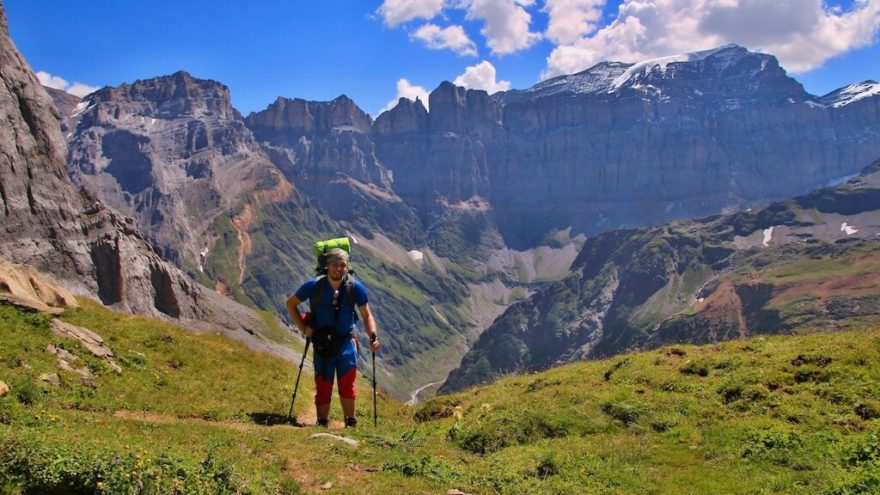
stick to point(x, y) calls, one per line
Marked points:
point(349, 441)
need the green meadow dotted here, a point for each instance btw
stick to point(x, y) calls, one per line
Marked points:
point(201, 413)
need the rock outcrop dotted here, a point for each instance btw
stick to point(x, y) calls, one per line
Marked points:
point(25, 283)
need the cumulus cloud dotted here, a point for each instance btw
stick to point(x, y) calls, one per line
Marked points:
point(395, 12)
point(481, 76)
point(802, 34)
point(55, 82)
point(569, 20)
point(506, 26)
point(407, 90)
point(452, 37)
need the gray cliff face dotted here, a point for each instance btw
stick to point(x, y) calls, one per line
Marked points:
point(626, 145)
point(313, 141)
point(173, 154)
point(618, 145)
point(444, 156)
point(63, 230)
point(401, 137)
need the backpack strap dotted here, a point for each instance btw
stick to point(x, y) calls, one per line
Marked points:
point(320, 286)
point(349, 294)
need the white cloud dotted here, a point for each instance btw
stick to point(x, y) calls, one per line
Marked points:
point(571, 19)
point(506, 24)
point(481, 76)
point(452, 37)
point(395, 12)
point(407, 90)
point(51, 81)
point(80, 89)
point(803, 34)
point(55, 82)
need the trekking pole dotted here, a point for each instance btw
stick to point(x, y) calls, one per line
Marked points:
point(375, 414)
point(295, 387)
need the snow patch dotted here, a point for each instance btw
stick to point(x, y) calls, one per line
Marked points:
point(768, 236)
point(852, 94)
point(203, 254)
point(81, 107)
point(662, 63)
point(416, 256)
point(850, 230)
point(593, 80)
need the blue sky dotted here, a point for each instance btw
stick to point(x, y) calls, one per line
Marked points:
point(376, 51)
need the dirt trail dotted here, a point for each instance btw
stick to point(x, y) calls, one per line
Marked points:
point(298, 468)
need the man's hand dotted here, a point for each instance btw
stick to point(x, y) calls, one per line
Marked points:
point(374, 343)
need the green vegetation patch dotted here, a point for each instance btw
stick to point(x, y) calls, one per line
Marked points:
point(781, 414)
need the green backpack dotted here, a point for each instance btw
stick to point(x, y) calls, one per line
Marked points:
point(321, 247)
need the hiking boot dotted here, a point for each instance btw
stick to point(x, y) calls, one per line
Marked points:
point(350, 422)
point(323, 422)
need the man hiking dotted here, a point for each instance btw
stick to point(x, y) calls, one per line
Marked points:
point(330, 325)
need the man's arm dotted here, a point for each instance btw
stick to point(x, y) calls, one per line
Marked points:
point(292, 304)
point(370, 326)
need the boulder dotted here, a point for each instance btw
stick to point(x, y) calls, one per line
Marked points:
point(27, 284)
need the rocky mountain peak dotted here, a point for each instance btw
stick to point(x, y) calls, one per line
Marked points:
point(460, 110)
point(407, 116)
point(154, 145)
point(296, 117)
point(168, 97)
point(345, 114)
point(730, 72)
point(316, 140)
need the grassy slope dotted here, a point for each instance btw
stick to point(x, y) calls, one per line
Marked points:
point(770, 415)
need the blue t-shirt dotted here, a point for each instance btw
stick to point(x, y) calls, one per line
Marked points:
point(325, 313)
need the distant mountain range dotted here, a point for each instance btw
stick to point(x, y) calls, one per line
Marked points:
point(461, 211)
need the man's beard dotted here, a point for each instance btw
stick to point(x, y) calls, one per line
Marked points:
point(336, 278)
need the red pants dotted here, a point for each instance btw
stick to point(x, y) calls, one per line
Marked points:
point(324, 387)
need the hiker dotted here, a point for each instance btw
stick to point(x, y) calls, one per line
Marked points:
point(334, 313)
